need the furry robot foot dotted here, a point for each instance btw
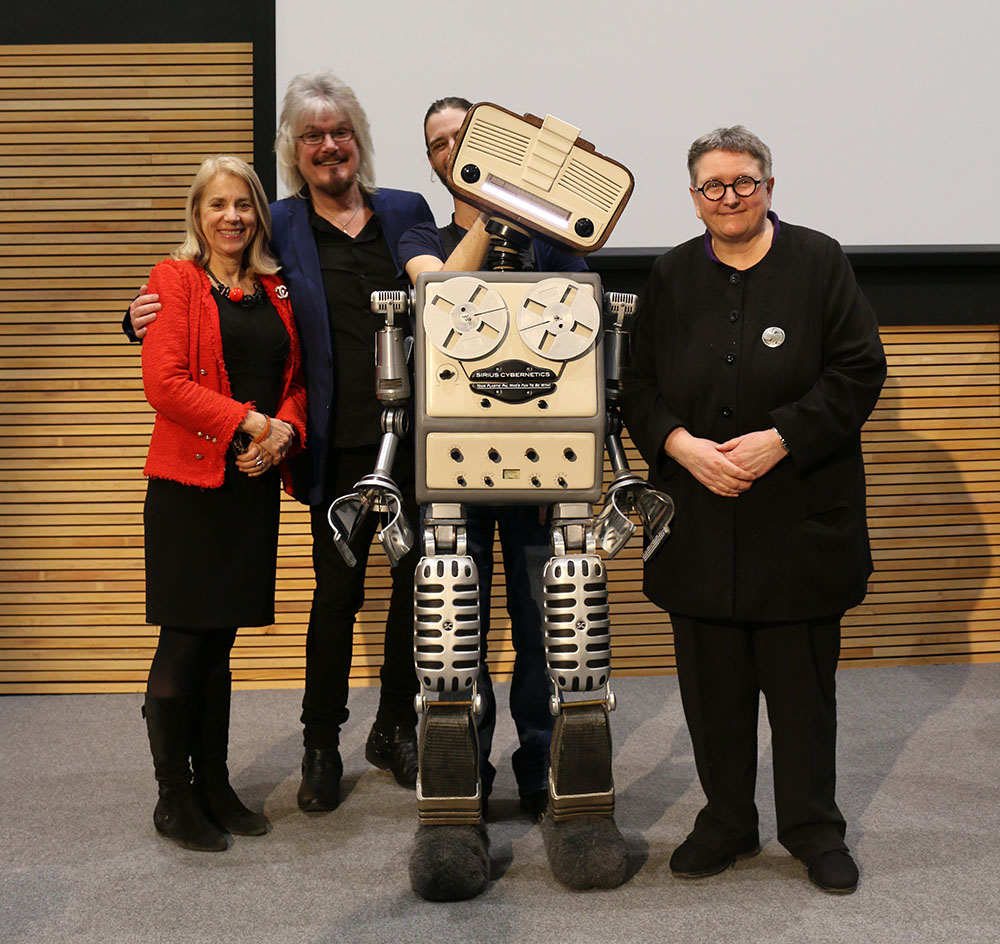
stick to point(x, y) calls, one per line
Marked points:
point(585, 852)
point(450, 863)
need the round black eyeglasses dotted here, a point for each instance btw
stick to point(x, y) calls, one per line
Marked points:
point(742, 186)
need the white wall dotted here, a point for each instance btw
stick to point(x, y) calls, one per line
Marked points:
point(882, 115)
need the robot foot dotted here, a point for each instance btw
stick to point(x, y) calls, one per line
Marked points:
point(585, 852)
point(450, 863)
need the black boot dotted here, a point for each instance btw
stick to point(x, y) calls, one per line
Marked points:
point(322, 769)
point(169, 723)
point(211, 775)
point(393, 747)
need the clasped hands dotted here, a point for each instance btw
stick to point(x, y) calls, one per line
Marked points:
point(276, 438)
point(730, 468)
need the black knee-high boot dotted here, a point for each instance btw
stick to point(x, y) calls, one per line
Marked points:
point(178, 816)
point(211, 750)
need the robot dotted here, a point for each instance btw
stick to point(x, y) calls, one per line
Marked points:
point(517, 379)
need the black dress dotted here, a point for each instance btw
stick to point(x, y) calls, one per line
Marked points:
point(211, 552)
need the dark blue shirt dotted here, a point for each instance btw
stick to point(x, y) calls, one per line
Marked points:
point(426, 239)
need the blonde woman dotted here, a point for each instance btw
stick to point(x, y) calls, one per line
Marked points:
point(222, 368)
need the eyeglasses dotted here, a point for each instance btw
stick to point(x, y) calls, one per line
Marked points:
point(742, 186)
point(316, 138)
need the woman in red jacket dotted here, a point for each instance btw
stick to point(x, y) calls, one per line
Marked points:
point(223, 370)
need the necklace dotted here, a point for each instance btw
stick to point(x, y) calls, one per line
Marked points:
point(234, 294)
point(343, 226)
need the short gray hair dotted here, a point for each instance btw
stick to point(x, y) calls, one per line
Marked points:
point(736, 139)
point(307, 95)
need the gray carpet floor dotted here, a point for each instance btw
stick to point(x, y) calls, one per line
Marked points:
point(80, 862)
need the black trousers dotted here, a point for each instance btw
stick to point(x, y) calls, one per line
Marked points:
point(340, 594)
point(722, 668)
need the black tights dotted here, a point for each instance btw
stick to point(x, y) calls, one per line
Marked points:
point(186, 658)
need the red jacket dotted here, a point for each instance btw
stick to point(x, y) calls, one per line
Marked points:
point(186, 382)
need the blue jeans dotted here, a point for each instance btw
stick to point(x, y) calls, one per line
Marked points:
point(524, 544)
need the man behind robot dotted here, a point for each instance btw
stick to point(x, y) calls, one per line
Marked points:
point(514, 400)
point(523, 530)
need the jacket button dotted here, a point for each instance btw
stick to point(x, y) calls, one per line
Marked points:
point(730, 358)
point(198, 455)
point(727, 411)
point(203, 372)
point(214, 439)
point(734, 279)
point(734, 315)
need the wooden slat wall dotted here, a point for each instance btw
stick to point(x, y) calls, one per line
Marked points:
point(932, 449)
point(97, 147)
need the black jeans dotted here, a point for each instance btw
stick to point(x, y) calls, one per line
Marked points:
point(340, 594)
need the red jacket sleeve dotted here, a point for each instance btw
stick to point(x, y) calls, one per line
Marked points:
point(182, 368)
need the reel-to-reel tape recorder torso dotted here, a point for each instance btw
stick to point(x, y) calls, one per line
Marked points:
point(509, 405)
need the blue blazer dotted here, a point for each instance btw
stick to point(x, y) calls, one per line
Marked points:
point(293, 242)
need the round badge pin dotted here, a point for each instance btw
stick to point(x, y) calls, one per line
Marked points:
point(773, 336)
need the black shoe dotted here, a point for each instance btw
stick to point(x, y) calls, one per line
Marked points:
point(394, 747)
point(179, 817)
point(535, 803)
point(322, 769)
point(208, 761)
point(169, 724)
point(693, 860)
point(834, 871)
point(227, 810)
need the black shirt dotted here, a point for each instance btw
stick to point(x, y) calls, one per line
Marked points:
point(352, 270)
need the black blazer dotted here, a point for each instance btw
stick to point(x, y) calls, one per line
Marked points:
point(795, 546)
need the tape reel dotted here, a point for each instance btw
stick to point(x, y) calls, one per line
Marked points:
point(558, 320)
point(465, 319)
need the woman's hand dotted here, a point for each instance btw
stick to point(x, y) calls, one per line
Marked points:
point(708, 463)
point(279, 439)
point(756, 452)
point(255, 461)
point(275, 437)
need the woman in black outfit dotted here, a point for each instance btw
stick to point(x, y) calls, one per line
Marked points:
point(756, 361)
point(222, 369)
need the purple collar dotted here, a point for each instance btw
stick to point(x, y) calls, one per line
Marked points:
point(710, 252)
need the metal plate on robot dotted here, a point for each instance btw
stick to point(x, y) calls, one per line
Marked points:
point(539, 467)
point(513, 381)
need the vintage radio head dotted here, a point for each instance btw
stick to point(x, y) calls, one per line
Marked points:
point(540, 174)
point(509, 401)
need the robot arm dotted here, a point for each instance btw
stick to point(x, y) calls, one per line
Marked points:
point(377, 491)
point(627, 493)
